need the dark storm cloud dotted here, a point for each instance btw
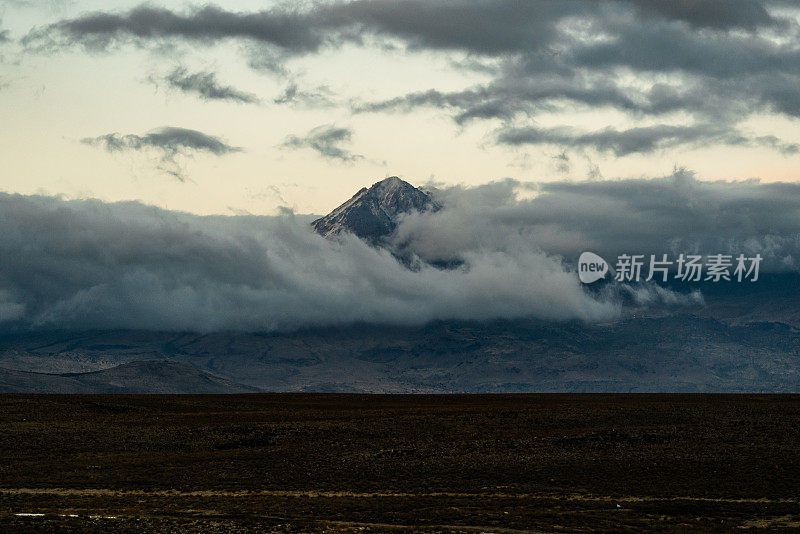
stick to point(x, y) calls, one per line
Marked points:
point(746, 14)
point(702, 68)
point(324, 140)
point(481, 27)
point(169, 141)
point(287, 30)
point(640, 140)
point(671, 215)
point(206, 85)
point(473, 104)
point(621, 143)
point(517, 95)
point(718, 61)
point(88, 264)
point(671, 48)
point(63, 264)
point(425, 24)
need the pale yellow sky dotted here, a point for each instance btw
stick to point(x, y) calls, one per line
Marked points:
point(54, 100)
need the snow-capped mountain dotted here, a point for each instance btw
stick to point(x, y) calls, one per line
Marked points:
point(372, 214)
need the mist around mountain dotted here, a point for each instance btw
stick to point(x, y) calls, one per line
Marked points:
point(425, 317)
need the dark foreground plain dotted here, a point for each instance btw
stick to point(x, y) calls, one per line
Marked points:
point(360, 463)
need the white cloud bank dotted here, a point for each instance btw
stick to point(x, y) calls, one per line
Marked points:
point(89, 264)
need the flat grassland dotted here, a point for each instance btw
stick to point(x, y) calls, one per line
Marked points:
point(394, 463)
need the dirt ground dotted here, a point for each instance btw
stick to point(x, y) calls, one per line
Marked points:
point(361, 463)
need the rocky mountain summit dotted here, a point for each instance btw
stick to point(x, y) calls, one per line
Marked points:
point(373, 214)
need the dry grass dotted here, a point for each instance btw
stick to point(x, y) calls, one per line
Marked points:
point(299, 463)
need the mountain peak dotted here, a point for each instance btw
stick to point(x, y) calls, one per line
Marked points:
point(373, 214)
point(392, 182)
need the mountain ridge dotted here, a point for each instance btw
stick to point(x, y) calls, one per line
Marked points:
point(674, 353)
point(137, 376)
point(373, 213)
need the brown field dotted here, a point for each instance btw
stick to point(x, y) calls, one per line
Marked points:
point(360, 463)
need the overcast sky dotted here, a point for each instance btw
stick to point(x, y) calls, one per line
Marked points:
point(242, 107)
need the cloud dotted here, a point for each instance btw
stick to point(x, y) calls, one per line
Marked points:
point(170, 141)
point(621, 143)
point(640, 140)
point(727, 59)
point(54, 6)
point(670, 215)
point(497, 28)
point(562, 162)
point(324, 140)
point(745, 14)
point(89, 264)
point(168, 138)
point(205, 85)
point(318, 97)
point(5, 35)
point(286, 30)
point(63, 264)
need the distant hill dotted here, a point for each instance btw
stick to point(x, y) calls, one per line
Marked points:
point(675, 353)
point(132, 377)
